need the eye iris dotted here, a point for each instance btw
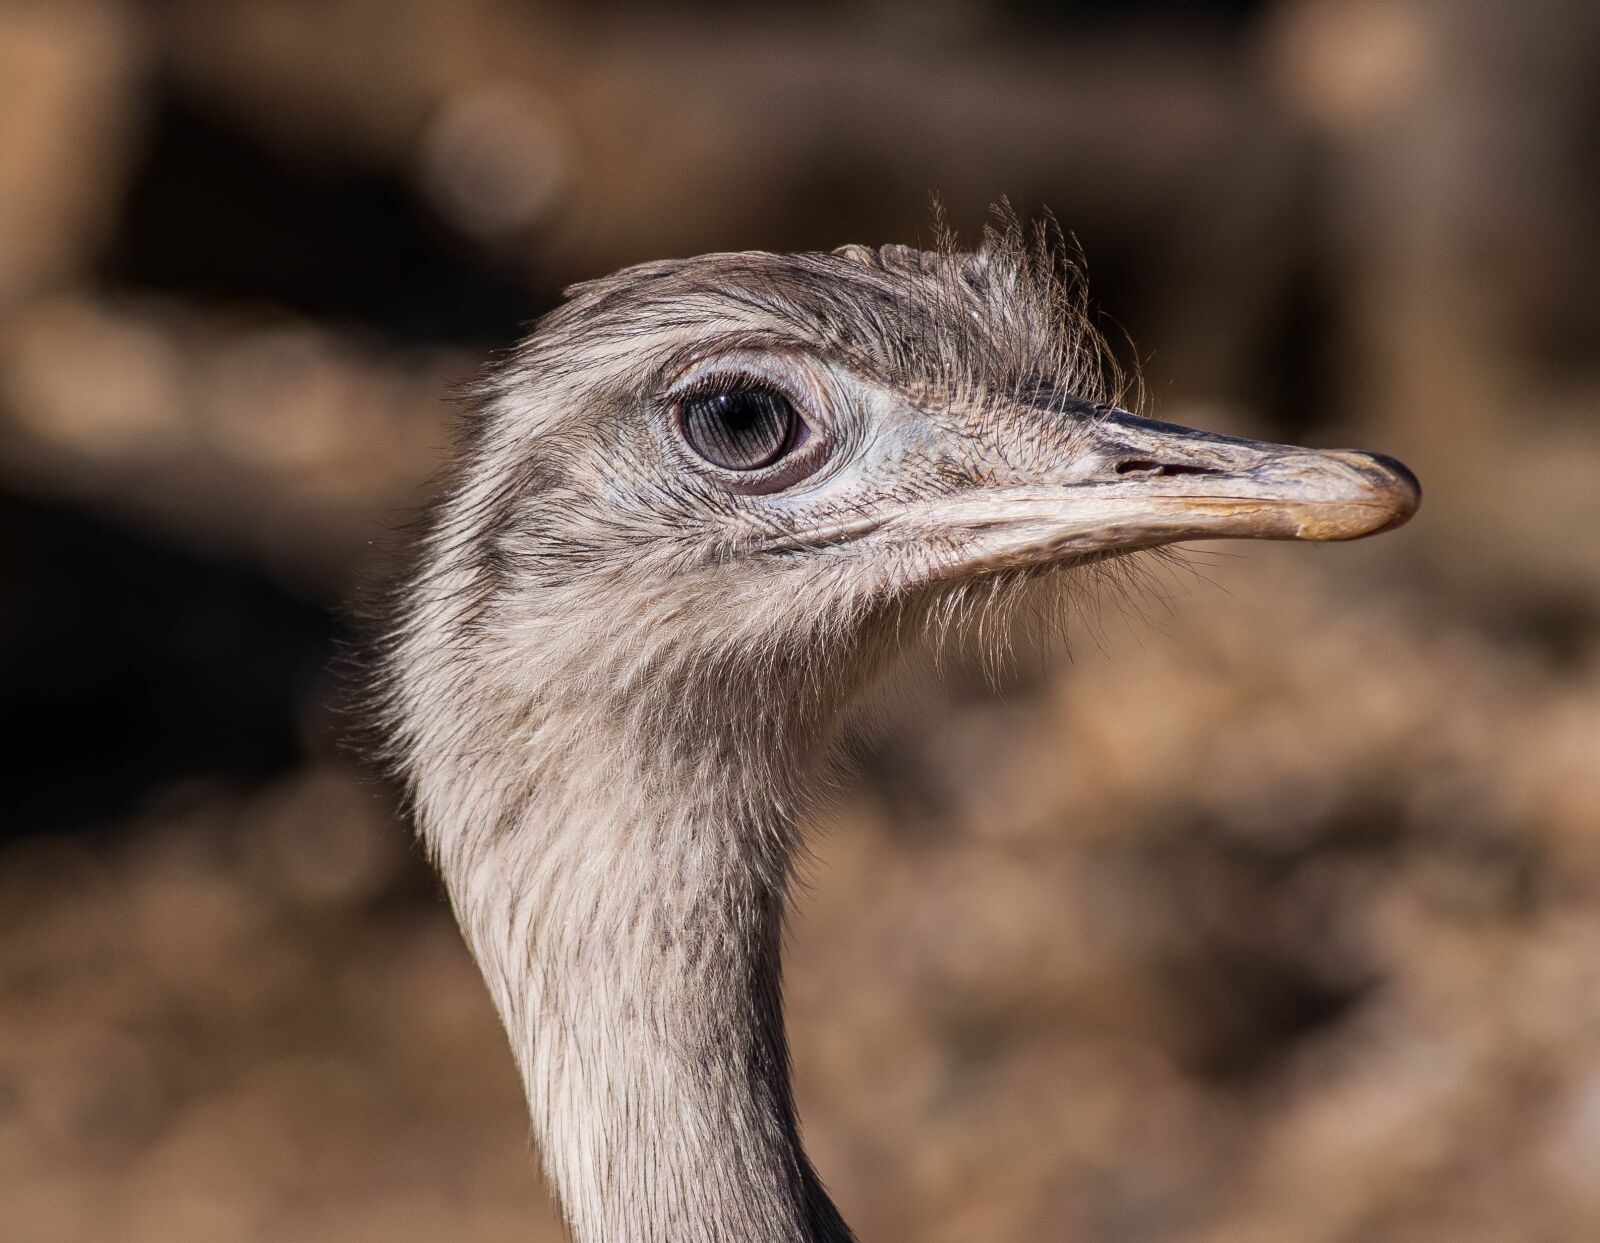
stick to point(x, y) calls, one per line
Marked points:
point(743, 429)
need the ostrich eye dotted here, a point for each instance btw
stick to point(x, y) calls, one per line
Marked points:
point(743, 428)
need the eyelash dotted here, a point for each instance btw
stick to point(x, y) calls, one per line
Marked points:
point(721, 382)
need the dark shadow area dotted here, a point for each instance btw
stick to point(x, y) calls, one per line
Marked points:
point(219, 217)
point(128, 662)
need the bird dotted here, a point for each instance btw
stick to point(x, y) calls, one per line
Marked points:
point(691, 522)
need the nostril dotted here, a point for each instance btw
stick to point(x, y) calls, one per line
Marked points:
point(1160, 470)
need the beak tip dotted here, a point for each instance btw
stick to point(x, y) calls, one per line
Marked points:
point(1355, 494)
point(1394, 483)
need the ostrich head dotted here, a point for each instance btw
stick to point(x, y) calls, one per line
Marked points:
point(692, 517)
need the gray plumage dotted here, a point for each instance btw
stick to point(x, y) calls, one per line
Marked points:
point(617, 677)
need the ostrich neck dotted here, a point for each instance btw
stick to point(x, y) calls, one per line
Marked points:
point(631, 942)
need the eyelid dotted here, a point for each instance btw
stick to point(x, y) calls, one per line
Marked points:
point(720, 371)
point(716, 383)
point(749, 351)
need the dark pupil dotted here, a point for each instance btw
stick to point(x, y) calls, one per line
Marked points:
point(738, 430)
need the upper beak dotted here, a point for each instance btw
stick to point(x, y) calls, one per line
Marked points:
point(1134, 483)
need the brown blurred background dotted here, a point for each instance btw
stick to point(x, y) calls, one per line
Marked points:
point(1273, 916)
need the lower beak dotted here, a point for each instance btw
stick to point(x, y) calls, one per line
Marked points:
point(1133, 483)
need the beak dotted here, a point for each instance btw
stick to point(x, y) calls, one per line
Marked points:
point(1133, 483)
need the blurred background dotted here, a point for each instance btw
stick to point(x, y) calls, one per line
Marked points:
point(1274, 915)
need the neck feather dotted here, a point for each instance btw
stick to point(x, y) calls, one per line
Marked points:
point(630, 936)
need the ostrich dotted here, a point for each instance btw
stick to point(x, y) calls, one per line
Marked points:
point(694, 517)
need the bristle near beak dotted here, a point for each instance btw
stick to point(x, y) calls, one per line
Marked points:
point(1133, 483)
